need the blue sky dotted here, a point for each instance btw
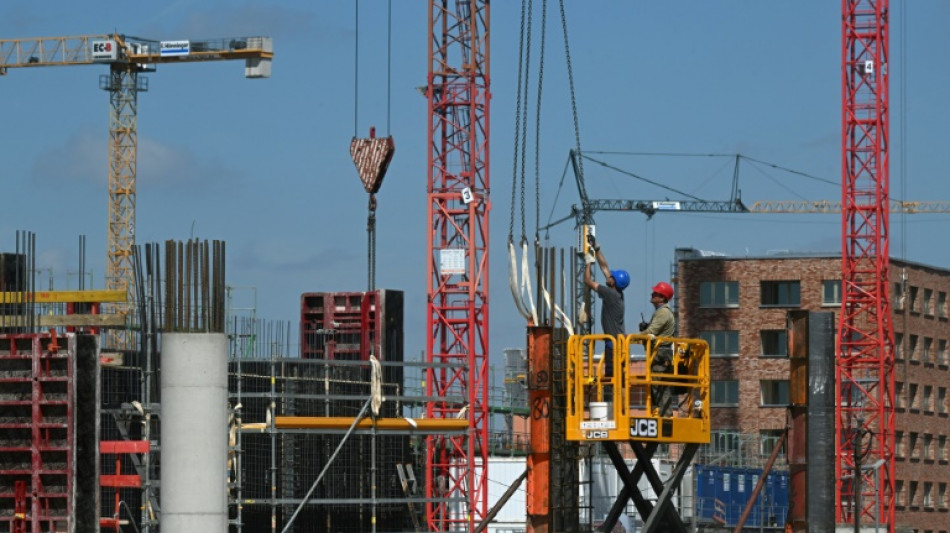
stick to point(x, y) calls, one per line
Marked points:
point(264, 164)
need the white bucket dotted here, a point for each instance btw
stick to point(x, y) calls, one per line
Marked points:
point(598, 410)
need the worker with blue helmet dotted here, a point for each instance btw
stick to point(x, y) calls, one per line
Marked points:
point(621, 278)
point(611, 292)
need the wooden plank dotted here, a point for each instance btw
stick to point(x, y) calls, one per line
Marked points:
point(44, 297)
point(45, 321)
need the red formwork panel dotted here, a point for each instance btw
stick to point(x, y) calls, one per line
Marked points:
point(119, 480)
point(351, 325)
point(36, 433)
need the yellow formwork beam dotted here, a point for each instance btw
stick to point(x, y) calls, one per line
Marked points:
point(46, 297)
point(384, 424)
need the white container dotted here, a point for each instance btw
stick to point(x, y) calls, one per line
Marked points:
point(598, 410)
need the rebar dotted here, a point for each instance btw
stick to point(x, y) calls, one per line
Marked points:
point(194, 287)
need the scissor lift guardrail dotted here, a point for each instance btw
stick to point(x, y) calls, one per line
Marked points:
point(619, 406)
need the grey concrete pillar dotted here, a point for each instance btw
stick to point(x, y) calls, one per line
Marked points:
point(194, 437)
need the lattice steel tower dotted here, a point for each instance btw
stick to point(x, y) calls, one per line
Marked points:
point(865, 366)
point(458, 207)
point(123, 84)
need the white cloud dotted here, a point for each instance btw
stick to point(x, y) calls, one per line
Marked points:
point(83, 159)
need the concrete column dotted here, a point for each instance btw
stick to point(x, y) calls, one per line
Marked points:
point(194, 438)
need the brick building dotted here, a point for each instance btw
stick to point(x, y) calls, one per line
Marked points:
point(739, 305)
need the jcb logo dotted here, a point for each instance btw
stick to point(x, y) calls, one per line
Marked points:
point(596, 435)
point(102, 47)
point(643, 427)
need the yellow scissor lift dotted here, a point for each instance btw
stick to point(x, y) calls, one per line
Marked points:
point(616, 407)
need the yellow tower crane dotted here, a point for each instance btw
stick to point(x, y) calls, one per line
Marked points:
point(127, 57)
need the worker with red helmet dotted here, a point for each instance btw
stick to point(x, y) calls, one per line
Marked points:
point(611, 292)
point(661, 324)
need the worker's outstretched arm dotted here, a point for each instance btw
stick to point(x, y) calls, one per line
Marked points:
point(603, 263)
point(587, 277)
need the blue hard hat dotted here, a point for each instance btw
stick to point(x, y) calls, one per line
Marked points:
point(621, 277)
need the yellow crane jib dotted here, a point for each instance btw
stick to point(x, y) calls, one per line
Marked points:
point(620, 405)
point(256, 51)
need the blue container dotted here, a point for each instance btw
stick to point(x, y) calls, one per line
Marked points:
point(722, 493)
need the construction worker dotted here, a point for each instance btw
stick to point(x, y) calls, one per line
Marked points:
point(611, 292)
point(661, 324)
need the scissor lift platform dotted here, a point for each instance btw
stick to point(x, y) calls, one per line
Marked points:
point(619, 404)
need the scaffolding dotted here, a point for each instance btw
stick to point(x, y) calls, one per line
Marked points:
point(273, 468)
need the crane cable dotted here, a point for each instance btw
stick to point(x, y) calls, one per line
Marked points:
point(570, 80)
point(555, 309)
point(583, 315)
point(371, 208)
point(521, 293)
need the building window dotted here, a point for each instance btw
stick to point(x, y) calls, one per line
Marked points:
point(928, 439)
point(942, 448)
point(925, 351)
point(899, 395)
point(912, 399)
point(941, 400)
point(724, 393)
point(719, 294)
point(723, 343)
point(768, 439)
point(942, 304)
point(912, 446)
point(831, 292)
point(942, 352)
point(774, 392)
point(942, 495)
point(898, 346)
point(899, 445)
point(913, 300)
point(912, 348)
point(781, 293)
point(774, 343)
point(899, 491)
point(927, 405)
point(899, 296)
point(928, 488)
point(928, 301)
point(912, 495)
point(725, 441)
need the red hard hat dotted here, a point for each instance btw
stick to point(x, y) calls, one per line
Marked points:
point(664, 289)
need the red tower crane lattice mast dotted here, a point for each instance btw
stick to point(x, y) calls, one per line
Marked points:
point(458, 208)
point(865, 366)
